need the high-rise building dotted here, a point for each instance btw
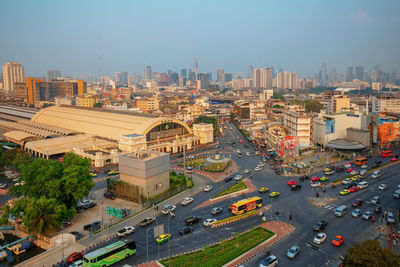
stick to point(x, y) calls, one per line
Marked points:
point(323, 77)
point(359, 73)
point(393, 78)
point(280, 80)
point(227, 77)
point(262, 78)
point(286, 80)
point(53, 74)
point(149, 73)
point(203, 81)
point(195, 67)
point(183, 73)
point(220, 75)
point(12, 72)
point(250, 72)
point(349, 74)
point(121, 77)
point(332, 76)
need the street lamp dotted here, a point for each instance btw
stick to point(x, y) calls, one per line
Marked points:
point(147, 243)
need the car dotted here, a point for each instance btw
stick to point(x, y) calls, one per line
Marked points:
point(78, 263)
point(354, 172)
point(147, 221)
point(362, 185)
point(346, 166)
point(207, 188)
point(89, 205)
point(320, 225)
point(109, 195)
point(304, 178)
point(163, 238)
point(376, 174)
point(240, 141)
point(127, 230)
point(274, 168)
point(227, 179)
point(92, 227)
point(238, 177)
point(353, 189)
point(83, 202)
point(347, 186)
point(350, 169)
point(248, 154)
point(319, 238)
point(393, 159)
point(323, 179)
point(186, 201)
point(364, 166)
point(216, 211)
point(230, 128)
point(274, 194)
point(344, 192)
point(261, 164)
point(93, 174)
point(338, 240)
point(327, 169)
point(356, 213)
point(295, 187)
point(315, 184)
point(269, 261)
point(77, 235)
point(185, 230)
point(378, 162)
point(378, 209)
point(367, 215)
point(390, 217)
point(347, 181)
point(329, 172)
point(168, 208)
point(363, 173)
point(382, 187)
point(263, 189)
point(357, 203)
point(339, 169)
point(375, 200)
point(315, 178)
point(73, 257)
point(237, 150)
point(113, 172)
point(291, 182)
point(356, 177)
point(209, 222)
point(292, 252)
point(386, 154)
point(246, 171)
point(191, 220)
point(257, 169)
point(239, 155)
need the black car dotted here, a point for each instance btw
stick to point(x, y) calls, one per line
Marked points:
point(339, 169)
point(185, 230)
point(92, 227)
point(378, 209)
point(347, 186)
point(320, 225)
point(76, 234)
point(357, 203)
point(125, 212)
point(304, 178)
point(227, 179)
point(378, 162)
point(89, 205)
point(147, 221)
point(192, 220)
point(109, 195)
point(278, 172)
point(295, 187)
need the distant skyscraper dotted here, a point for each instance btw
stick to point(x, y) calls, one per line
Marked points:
point(393, 78)
point(12, 72)
point(203, 81)
point(149, 73)
point(183, 73)
point(332, 76)
point(220, 75)
point(262, 78)
point(121, 77)
point(349, 74)
point(53, 74)
point(227, 77)
point(209, 76)
point(359, 73)
point(323, 74)
point(250, 71)
point(195, 67)
point(286, 80)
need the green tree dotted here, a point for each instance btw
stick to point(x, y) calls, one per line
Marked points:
point(21, 159)
point(42, 216)
point(207, 119)
point(98, 105)
point(277, 106)
point(277, 96)
point(313, 105)
point(370, 254)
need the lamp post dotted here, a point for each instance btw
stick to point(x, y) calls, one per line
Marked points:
point(147, 243)
point(169, 245)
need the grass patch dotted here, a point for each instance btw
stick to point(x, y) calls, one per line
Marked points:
point(193, 163)
point(235, 217)
point(220, 254)
point(216, 167)
point(233, 188)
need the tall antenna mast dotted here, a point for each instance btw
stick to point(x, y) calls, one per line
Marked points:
point(100, 65)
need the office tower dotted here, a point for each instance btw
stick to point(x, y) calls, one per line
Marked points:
point(53, 74)
point(149, 73)
point(195, 67)
point(393, 78)
point(262, 78)
point(250, 70)
point(169, 72)
point(191, 75)
point(220, 75)
point(209, 76)
point(183, 73)
point(332, 76)
point(12, 72)
point(174, 77)
point(349, 74)
point(280, 80)
point(323, 73)
point(359, 73)
point(292, 84)
point(203, 81)
point(227, 77)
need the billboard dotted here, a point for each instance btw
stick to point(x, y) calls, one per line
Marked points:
point(329, 127)
point(290, 146)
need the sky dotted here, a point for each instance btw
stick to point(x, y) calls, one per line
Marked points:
point(293, 35)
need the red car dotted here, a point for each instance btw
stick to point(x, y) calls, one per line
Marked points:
point(75, 257)
point(350, 162)
point(353, 189)
point(338, 240)
point(387, 153)
point(394, 159)
point(291, 182)
point(240, 141)
point(315, 178)
point(350, 170)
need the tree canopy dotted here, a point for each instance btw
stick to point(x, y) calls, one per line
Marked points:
point(369, 254)
point(207, 119)
point(313, 105)
point(277, 96)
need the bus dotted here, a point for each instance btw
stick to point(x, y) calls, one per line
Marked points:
point(110, 254)
point(387, 153)
point(361, 161)
point(245, 205)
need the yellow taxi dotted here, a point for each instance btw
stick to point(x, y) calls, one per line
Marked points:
point(263, 189)
point(274, 194)
point(323, 178)
point(327, 170)
point(93, 174)
point(344, 192)
point(113, 172)
point(163, 238)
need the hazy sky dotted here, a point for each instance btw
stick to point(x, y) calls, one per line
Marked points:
point(293, 35)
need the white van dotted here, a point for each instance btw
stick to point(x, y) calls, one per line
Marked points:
point(396, 193)
point(341, 211)
point(376, 174)
point(362, 185)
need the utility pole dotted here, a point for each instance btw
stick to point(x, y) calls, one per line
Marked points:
point(102, 219)
point(391, 237)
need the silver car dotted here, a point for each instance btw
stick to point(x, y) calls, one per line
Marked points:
point(367, 215)
point(269, 261)
point(356, 213)
point(293, 251)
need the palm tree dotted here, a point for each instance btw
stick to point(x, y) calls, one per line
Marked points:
point(41, 216)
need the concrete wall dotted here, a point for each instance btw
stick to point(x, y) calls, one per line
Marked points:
point(362, 136)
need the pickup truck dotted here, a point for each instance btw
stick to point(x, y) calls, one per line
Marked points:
point(192, 220)
point(147, 221)
point(127, 230)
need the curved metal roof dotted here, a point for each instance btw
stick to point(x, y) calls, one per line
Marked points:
point(19, 135)
point(345, 144)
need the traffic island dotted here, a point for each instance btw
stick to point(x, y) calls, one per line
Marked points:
point(236, 218)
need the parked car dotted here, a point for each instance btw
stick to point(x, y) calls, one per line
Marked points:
point(109, 195)
point(257, 169)
point(73, 257)
point(320, 225)
point(227, 179)
point(83, 202)
point(356, 213)
point(269, 261)
point(293, 252)
point(147, 221)
point(319, 238)
point(185, 230)
point(246, 171)
point(207, 188)
point(216, 211)
point(390, 217)
point(92, 227)
point(127, 230)
point(315, 184)
point(191, 220)
point(362, 185)
point(338, 240)
point(187, 201)
point(209, 222)
point(367, 215)
point(89, 205)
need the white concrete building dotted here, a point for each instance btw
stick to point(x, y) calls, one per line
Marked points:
point(298, 123)
point(12, 72)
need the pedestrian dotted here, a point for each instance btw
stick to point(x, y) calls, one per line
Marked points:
point(317, 194)
point(290, 217)
point(267, 252)
point(277, 212)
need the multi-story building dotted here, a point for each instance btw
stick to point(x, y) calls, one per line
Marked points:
point(262, 78)
point(203, 81)
point(227, 77)
point(53, 74)
point(386, 103)
point(339, 104)
point(244, 109)
point(220, 75)
point(148, 104)
point(12, 72)
point(20, 90)
point(376, 86)
point(298, 123)
point(286, 80)
point(86, 100)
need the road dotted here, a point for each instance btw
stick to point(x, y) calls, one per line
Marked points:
point(305, 215)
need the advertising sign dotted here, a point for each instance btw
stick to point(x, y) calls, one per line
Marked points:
point(290, 146)
point(330, 127)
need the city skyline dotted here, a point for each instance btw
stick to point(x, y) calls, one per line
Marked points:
point(171, 37)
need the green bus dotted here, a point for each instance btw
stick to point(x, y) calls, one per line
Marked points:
point(110, 254)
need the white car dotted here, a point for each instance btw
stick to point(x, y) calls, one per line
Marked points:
point(238, 177)
point(382, 187)
point(376, 174)
point(315, 184)
point(246, 171)
point(354, 172)
point(362, 185)
point(319, 238)
point(248, 153)
point(237, 150)
point(364, 166)
point(127, 230)
point(209, 222)
point(257, 169)
point(261, 164)
point(347, 181)
point(346, 166)
point(187, 201)
point(207, 188)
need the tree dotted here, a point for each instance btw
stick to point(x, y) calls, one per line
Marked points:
point(313, 105)
point(370, 253)
point(206, 119)
point(277, 96)
point(98, 105)
point(277, 106)
point(21, 159)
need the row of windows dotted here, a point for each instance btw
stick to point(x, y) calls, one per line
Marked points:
point(131, 245)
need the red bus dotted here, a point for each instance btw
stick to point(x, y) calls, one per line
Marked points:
point(361, 161)
point(387, 153)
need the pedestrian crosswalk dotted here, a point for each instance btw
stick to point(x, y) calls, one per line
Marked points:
point(330, 206)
